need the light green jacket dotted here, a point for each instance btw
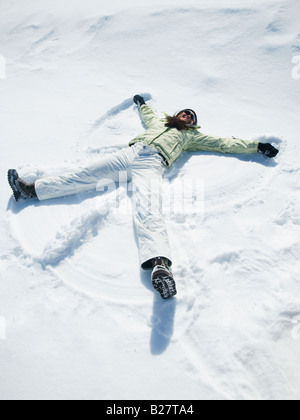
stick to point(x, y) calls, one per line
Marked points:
point(171, 142)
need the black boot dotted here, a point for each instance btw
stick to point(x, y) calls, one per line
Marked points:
point(162, 278)
point(21, 188)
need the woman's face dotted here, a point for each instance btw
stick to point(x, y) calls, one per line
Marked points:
point(186, 118)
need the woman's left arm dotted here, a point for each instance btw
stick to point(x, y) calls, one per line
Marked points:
point(201, 142)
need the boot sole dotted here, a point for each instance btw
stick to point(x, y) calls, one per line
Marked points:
point(164, 289)
point(12, 176)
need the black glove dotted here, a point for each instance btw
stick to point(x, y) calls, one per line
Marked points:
point(268, 150)
point(139, 100)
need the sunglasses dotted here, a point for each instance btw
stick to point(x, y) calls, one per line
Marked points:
point(191, 114)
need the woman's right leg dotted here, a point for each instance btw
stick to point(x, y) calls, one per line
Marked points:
point(85, 179)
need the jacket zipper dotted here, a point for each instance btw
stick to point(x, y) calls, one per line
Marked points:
point(162, 148)
point(174, 147)
point(159, 135)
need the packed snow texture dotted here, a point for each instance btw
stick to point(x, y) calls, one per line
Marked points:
point(78, 318)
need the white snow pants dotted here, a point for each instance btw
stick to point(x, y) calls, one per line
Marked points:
point(145, 168)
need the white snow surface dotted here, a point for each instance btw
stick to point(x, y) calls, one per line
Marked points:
point(78, 318)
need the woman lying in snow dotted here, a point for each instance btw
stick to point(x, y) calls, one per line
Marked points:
point(145, 161)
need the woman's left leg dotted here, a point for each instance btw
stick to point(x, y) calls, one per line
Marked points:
point(147, 171)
